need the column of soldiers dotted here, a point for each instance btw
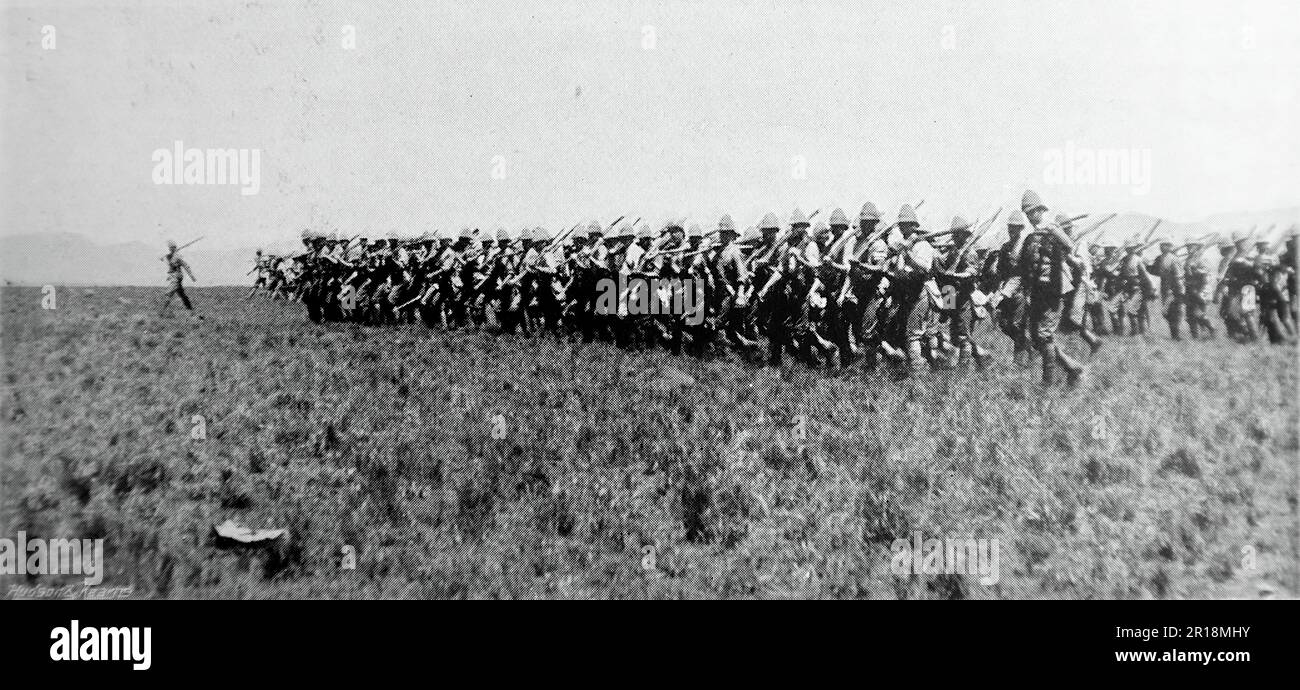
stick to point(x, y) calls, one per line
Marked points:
point(827, 293)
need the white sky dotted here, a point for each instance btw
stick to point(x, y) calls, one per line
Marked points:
point(402, 131)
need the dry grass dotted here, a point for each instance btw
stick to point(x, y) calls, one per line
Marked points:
point(1146, 482)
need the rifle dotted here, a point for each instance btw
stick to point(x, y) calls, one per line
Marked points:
point(777, 242)
point(848, 280)
point(1279, 242)
point(196, 239)
point(975, 237)
point(1092, 228)
point(1198, 240)
point(1152, 233)
point(1146, 243)
point(492, 268)
point(558, 242)
point(880, 232)
point(1227, 260)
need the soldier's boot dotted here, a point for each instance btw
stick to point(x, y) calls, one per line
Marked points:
point(915, 357)
point(1073, 369)
point(776, 345)
point(1049, 364)
point(892, 352)
point(847, 349)
point(1094, 342)
point(964, 355)
point(981, 357)
point(1248, 332)
point(936, 353)
point(830, 351)
point(870, 358)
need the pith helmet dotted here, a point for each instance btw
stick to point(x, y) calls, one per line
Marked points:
point(579, 234)
point(695, 231)
point(798, 218)
point(1132, 243)
point(541, 234)
point(503, 235)
point(1017, 219)
point(595, 228)
point(907, 215)
point(171, 244)
point(1064, 221)
point(959, 223)
point(869, 212)
point(1031, 201)
point(679, 223)
point(623, 230)
point(726, 224)
point(643, 231)
point(306, 234)
point(750, 235)
point(820, 229)
point(770, 222)
point(838, 217)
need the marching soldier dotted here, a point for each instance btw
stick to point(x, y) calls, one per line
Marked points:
point(864, 301)
point(733, 274)
point(957, 281)
point(908, 321)
point(1046, 260)
point(1135, 287)
point(1289, 267)
point(1011, 299)
point(1270, 291)
point(177, 268)
point(1075, 318)
point(259, 280)
point(1237, 287)
point(1200, 269)
point(1173, 285)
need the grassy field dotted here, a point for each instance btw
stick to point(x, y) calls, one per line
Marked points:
point(475, 465)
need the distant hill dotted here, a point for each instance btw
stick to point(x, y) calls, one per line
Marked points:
point(73, 259)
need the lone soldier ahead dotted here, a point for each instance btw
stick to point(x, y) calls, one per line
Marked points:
point(176, 268)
